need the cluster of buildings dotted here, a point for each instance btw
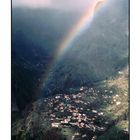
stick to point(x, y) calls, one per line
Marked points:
point(79, 111)
point(76, 110)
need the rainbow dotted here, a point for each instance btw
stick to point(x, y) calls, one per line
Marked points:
point(78, 28)
point(74, 32)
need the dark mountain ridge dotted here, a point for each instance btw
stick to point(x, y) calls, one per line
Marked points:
point(95, 55)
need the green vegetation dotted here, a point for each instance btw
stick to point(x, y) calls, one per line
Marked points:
point(114, 133)
point(52, 134)
point(97, 62)
point(67, 133)
point(118, 109)
point(108, 100)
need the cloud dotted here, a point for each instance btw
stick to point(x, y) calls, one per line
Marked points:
point(60, 4)
point(32, 3)
point(71, 3)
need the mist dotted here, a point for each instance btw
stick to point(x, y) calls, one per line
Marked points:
point(54, 4)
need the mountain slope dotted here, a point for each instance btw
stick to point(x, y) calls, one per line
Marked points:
point(99, 112)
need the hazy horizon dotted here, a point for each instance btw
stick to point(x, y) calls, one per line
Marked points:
point(56, 4)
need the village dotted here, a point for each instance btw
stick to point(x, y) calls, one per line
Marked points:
point(78, 111)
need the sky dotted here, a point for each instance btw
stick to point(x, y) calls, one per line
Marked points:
point(60, 4)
